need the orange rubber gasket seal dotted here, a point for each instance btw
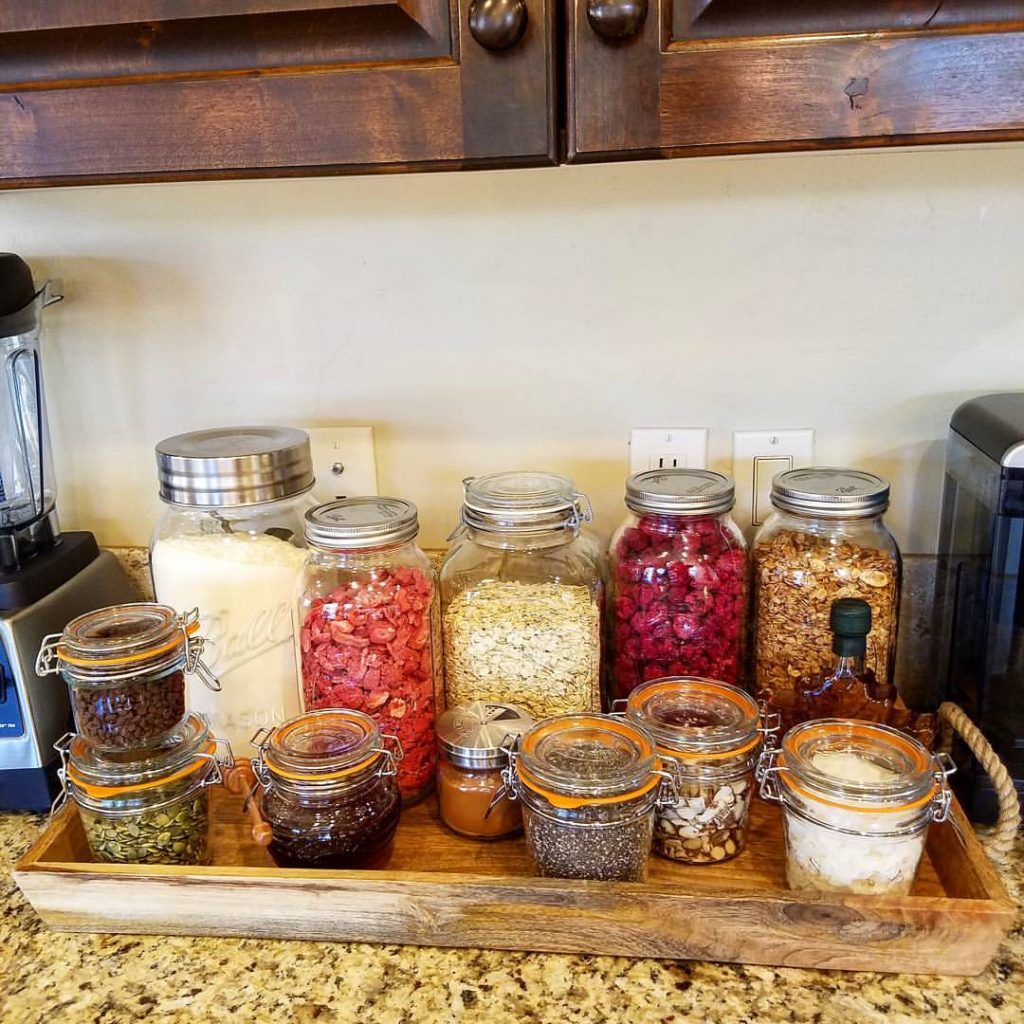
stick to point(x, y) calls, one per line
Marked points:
point(103, 791)
point(151, 652)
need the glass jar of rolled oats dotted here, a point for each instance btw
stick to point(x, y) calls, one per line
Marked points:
point(521, 597)
point(826, 539)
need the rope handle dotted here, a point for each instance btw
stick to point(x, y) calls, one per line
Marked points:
point(1000, 840)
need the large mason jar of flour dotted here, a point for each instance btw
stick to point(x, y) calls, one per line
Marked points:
point(230, 543)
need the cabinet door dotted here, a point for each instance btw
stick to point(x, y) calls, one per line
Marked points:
point(675, 77)
point(128, 90)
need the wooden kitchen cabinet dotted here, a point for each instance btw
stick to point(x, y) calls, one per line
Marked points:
point(681, 77)
point(130, 90)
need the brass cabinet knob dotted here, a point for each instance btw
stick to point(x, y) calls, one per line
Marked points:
point(498, 24)
point(616, 20)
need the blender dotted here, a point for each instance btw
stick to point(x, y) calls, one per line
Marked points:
point(46, 577)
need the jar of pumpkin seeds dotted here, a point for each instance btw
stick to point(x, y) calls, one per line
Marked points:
point(150, 805)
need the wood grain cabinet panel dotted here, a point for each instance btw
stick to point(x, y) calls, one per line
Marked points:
point(130, 90)
point(681, 77)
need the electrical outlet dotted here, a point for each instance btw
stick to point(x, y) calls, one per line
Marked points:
point(667, 448)
point(343, 461)
point(757, 455)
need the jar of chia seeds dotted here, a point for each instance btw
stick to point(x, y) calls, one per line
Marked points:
point(149, 805)
point(326, 785)
point(709, 736)
point(589, 786)
point(857, 799)
point(125, 668)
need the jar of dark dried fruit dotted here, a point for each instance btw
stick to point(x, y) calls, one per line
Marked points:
point(327, 788)
point(709, 736)
point(589, 786)
point(149, 805)
point(678, 582)
point(368, 626)
point(125, 667)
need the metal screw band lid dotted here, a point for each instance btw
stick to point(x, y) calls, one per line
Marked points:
point(523, 502)
point(830, 492)
point(472, 735)
point(354, 523)
point(684, 492)
point(231, 466)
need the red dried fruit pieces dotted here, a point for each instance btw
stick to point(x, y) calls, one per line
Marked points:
point(367, 646)
point(678, 601)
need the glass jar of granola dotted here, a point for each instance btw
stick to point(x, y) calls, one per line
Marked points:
point(521, 597)
point(826, 539)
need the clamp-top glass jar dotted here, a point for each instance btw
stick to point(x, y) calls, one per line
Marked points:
point(327, 790)
point(857, 799)
point(368, 626)
point(678, 581)
point(826, 539)
point(710, 737)
point(521, 597)
point(589, 786)
point(230, 542)
point(151, 805)
point(125, 668)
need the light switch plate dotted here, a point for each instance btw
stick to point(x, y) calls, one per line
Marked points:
point(757, 455)
point(667, 447)
point(343, 461)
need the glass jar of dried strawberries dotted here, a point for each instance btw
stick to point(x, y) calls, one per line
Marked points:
point(826, 539)
point(368, 626)
point(678, 581)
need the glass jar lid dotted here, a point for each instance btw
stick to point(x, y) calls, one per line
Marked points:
point(680, 492)
point(472, 735)
point(856, 765)
point(694, 718)
point(830, 492)
point(321, 746)
point(230, 466)
point(351, 524)
point(186, 750)
point(523, 502)
point(593, 757)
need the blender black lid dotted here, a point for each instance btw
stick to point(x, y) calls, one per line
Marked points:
point(17, 289)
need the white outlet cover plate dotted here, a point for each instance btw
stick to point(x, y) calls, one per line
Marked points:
point(757, 455)
point(665, 447)
point(351, 447)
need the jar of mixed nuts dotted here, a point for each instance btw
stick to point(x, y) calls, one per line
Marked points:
point(149, 805)
point(327, 788)
point(709, 735)
point(472, 797)
point(857, 799)
point(589, 786)
point(826, 539)
point(521, 596)
point(678, 581)
point(368, 626)
point(125, 667)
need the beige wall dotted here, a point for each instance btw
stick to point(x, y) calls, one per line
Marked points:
point(529, 318)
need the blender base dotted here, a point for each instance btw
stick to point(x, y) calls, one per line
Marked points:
point(44, 573)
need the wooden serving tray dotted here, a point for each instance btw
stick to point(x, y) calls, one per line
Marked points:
point(442, 890)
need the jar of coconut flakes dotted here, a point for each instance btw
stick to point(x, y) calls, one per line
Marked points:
point(857, 799)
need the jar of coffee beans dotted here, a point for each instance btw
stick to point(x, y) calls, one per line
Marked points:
point(327, 787)
point(125, 667)
point(589, 786)
point(709, 736)
point(149, 805)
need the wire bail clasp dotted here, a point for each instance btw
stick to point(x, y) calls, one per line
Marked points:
point(194, 646)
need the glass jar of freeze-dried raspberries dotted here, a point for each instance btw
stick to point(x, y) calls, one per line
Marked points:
point(678, 582)
point(368, 626)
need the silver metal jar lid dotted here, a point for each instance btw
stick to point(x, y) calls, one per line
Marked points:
point(683, 492)
point(471, 735)
point(523, 502)
point(354, 523)
point(830, 492)
point(230, 466)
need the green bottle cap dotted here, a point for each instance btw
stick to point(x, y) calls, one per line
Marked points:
point(851, 616)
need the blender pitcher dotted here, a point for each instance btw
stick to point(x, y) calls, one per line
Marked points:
point(28, 516)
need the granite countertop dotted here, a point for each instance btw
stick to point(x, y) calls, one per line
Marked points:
point(115, 979)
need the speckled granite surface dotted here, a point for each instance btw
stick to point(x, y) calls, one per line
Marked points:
point(108, 979)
